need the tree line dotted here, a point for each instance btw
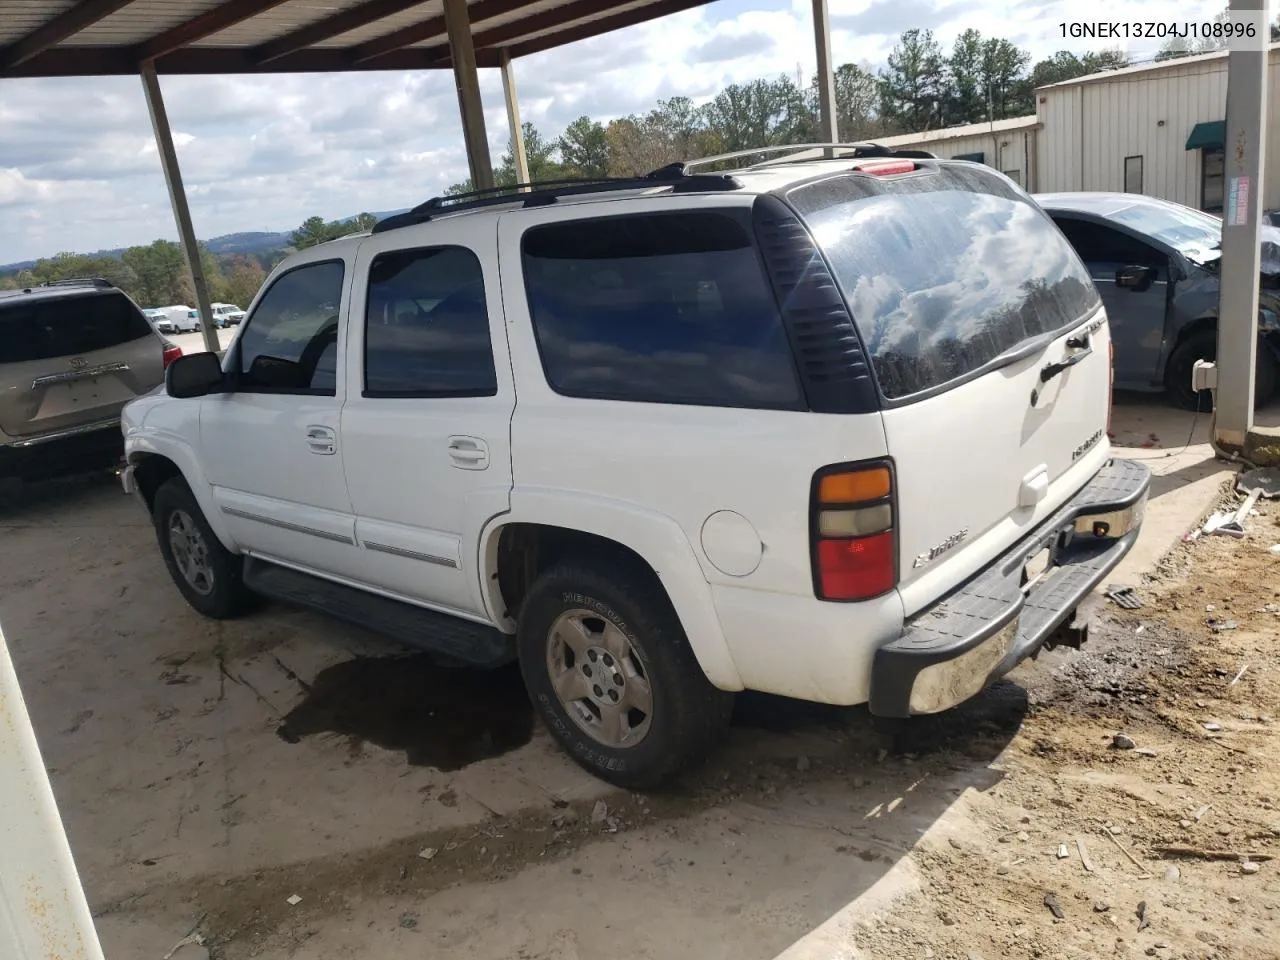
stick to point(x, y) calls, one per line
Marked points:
point(156, 274)
point(923, 86)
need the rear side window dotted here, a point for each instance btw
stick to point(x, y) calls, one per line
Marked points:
point(42, 329)
point(943, 271)
point(427, 326)
point(658, 308)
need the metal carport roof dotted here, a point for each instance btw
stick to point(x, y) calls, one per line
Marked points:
point(61, 38)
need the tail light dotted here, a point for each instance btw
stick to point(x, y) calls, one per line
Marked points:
point(1111, 381)
point(851, 524)
point(171, 353)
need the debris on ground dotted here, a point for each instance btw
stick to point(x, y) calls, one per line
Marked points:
point(1122, 742)
point(1249, 867)
point(426, 853)
point(1063, 852)
point(1237, 677)
point(600, 812)
point(1051, 901)
point(1084, 855)
point(1231, 522)
point(1144, 920)
point(1126, 597)
point(293, 900)
point(192, 938)
point(1265, 480)
point(1194, 853)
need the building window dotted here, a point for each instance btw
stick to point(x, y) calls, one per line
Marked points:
point(1015, 176)
point(971, 157)
point(1133, 174)
point(1212, 160)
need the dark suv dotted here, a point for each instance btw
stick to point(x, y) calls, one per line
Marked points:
point(72, 354)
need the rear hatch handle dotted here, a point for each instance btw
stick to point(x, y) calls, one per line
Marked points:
point(1083, 344)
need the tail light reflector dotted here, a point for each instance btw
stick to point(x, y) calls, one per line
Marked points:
point(171, 353)
point(852, 531)
point(1111, 381)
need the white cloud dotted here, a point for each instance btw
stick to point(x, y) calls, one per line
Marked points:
point(79, 170)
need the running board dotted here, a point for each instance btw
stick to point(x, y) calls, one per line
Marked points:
point(473, 644)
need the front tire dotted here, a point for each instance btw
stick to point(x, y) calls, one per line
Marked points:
point(207, 574)
point(1203, 345)
point(612, 675)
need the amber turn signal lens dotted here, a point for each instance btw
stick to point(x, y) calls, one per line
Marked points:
point(858, 486)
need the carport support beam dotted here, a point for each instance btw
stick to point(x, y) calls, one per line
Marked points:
point(828, 111)
point(462, 51)
point(513, 116)
point(178, 199)
point(1241, 248)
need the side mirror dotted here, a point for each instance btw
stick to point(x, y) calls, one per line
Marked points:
point(194, 375)
point(1135, 278)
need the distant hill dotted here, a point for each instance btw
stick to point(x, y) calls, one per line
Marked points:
point(249, 242)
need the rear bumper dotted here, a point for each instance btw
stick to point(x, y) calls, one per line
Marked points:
point(53, 454)
point(950, 651)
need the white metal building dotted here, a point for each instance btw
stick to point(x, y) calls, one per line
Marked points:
point(1156, 129)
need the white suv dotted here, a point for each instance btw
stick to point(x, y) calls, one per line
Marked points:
point(830, 429)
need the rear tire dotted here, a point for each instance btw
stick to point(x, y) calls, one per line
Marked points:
point(612, 675)
point(207, 574)
point(1203, 345)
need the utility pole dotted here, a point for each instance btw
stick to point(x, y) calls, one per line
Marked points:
point(1241, 219)
point(827, 107)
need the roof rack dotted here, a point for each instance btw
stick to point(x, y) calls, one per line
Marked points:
point(538, 193)
point(852, 151)
point(79, 282)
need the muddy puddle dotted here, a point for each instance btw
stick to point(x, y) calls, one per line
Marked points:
point(442, 717)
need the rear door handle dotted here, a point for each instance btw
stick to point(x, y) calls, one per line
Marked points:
point(322, 440)
point(469, 453)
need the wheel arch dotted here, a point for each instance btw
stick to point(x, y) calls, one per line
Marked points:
point(152, 467)
point(516, 546)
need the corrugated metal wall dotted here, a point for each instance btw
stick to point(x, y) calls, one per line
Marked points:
point(1089, 129)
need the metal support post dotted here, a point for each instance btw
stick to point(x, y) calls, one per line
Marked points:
point(513, 116)
point(1241, 250)
point(463, 53)
point(43, 911)
point(827, 106)
point(178, 199)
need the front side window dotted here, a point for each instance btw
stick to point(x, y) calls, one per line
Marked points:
point(658, 308)
point(427, 326)
point(944, 271)
point(290, 343)
point(1097, 243)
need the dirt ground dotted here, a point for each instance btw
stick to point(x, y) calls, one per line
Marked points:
point(210, 773)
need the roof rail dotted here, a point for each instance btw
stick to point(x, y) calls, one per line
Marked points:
point(79, 282)
point(537, 193)
point(853, 151)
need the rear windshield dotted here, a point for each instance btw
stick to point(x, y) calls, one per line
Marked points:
point(40, 329)
point(944, 271)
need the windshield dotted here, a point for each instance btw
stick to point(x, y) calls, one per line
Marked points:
point(1195, 235)
point(943, 272)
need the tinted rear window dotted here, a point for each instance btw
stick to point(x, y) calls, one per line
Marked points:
point(944, 271)
point(40, 329)
point(658, 308)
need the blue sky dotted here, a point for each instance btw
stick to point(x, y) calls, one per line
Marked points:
point(79, 170)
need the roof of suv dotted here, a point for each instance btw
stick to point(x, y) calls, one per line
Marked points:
point(52, 290)
point(754, 180)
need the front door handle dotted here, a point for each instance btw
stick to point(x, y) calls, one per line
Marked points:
point(469, 453)
point(322, 440)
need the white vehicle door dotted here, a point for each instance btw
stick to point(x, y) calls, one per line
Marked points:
point(427, 422)
point(270, 444)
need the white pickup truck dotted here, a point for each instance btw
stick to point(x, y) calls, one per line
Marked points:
point(831, 429)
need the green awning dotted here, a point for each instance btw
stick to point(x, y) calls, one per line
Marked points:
point(973, 157)
point(1212, 134)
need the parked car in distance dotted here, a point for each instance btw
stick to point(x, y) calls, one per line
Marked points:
point(1155, 264)
point(178, 319)
point(72, 353)
point(791, 429)
point(155, 317)
point(226, 314)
